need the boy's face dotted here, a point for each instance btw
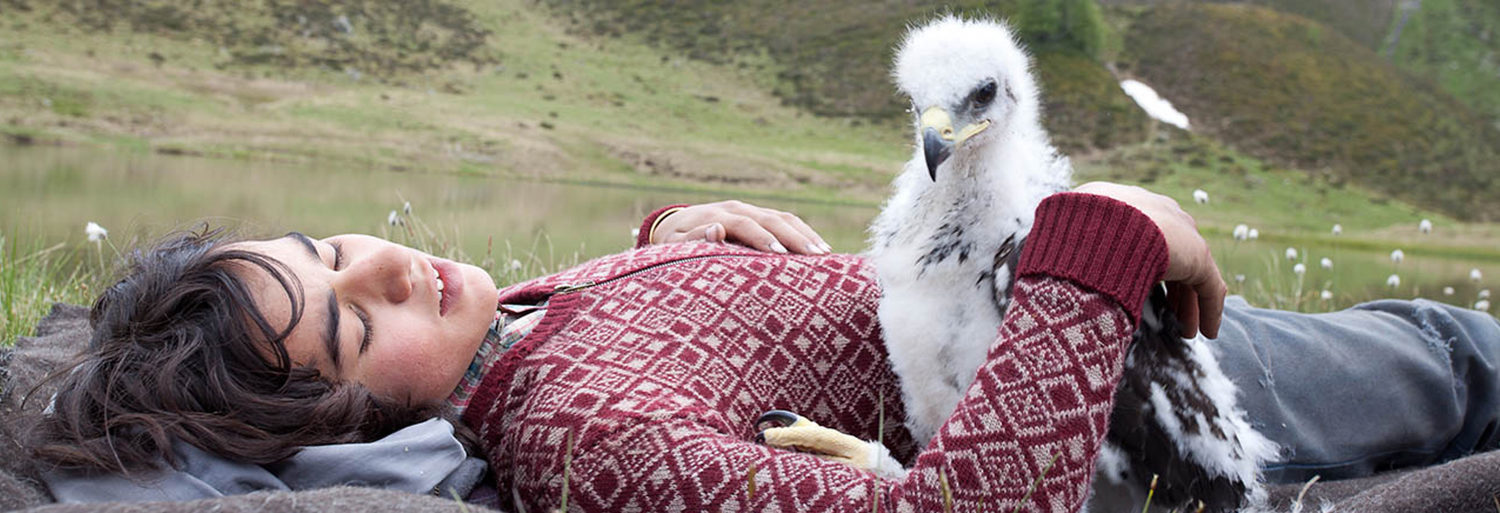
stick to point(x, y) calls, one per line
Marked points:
point(373, 313)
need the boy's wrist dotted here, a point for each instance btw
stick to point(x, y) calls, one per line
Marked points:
point(646, 234)
point(1098, 242)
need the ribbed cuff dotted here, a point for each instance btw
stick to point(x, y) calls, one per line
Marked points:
point(643, 236)
point(1098, 242)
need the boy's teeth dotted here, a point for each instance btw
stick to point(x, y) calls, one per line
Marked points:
point(440, 284)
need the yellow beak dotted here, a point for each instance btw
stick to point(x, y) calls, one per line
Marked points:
point(939, 139)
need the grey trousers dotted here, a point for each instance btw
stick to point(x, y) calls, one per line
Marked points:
point(1383, 385)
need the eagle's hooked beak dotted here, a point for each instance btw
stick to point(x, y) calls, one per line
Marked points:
point(939, 139)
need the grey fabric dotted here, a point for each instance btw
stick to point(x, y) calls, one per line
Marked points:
point(1466, 485)
point(1383, 385)
point(339, 499)
point(59, 336)
point(414, 460)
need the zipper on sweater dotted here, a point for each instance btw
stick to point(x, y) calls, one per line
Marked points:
point(585, 285)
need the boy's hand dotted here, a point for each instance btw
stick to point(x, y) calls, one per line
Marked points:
point(1194, 286)
point(741, 223)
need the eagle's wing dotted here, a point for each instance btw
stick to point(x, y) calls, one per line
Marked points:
point(1176, 419)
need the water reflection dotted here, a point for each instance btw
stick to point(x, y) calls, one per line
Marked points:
point(53, 192)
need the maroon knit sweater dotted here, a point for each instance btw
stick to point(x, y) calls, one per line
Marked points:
point(656, 362)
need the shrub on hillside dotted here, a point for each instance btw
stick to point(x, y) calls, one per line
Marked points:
point(373, 37)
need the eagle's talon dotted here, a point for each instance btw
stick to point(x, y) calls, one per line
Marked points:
point(792, 432)
point(777, 418)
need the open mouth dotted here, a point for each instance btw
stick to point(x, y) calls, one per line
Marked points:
point(449, 284)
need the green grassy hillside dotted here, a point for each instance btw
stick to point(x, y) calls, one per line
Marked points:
point(1456, 43)
point(833, 58)
point(1453, 42)
point(565, 102)
point(1290, 90)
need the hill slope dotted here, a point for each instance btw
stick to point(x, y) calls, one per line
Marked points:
point(1287, 89)
point(833, 58)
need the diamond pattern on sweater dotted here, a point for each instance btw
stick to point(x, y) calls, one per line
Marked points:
point(659, 375)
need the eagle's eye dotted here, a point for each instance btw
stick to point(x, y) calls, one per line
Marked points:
point(985, 94)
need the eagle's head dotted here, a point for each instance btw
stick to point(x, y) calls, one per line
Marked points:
point(969, 82)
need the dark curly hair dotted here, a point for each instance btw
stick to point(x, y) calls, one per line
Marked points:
point(179, 352)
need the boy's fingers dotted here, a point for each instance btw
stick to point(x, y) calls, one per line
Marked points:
point(712, 232)
point(750, 233)
point(1211, 306)
point(790, 235)
point(1185, 303)
point(807, 231)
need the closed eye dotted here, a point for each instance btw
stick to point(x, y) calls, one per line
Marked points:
point(338, 255)
point(364, 343)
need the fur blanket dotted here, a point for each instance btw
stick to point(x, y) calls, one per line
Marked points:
point(1466, 485)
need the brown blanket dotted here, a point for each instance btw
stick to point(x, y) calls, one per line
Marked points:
point(1467, 485)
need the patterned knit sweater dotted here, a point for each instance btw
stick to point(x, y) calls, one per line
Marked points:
point(653, 364)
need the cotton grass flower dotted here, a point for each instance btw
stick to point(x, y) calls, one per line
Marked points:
point(1338, 229)
point(1291, 253)
point(1299, 269)
point(1425, 226)
point(393, 218)
point(515, 265)
point(1239, 278)
point(1447, 291)
point(406, 208)
point(1484, 294)
point(1254, 234)
point(1482, 305)
point(1397, 256)
point(1393, 281)
point(1474, 275)
point(1200, 196)
point(1326, 263)
point(95, 232)
point(1325, 295)
point(1241, 232)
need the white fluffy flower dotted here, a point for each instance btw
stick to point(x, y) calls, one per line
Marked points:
point(1447, 291)
point(1291, 253)
point(1425, 226)
point(1474, 275)
point(1338, 229)
point(1393, 281)
point(95, 232)
point(1397, 256)
point(515, 265)
point(1484, 294)
point(1241, 232)
point(394, 218)
point(635, 233)
point(1200, 196)
point(1254, 234)
point(1482, 305)
point(1326, 263)
point(1239, 278)
point(406, 207)
point(1299, 269)
point(1325, 295)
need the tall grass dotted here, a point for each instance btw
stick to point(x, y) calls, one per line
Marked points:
point(33, 276)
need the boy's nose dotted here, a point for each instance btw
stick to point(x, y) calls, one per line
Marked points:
point(386, 273)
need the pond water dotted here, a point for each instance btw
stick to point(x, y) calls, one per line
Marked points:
point(50, 193)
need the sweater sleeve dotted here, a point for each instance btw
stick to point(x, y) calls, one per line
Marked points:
point(1036, 413)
